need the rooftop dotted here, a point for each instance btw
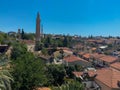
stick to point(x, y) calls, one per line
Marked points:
point(116, 65)
point(29, 42)
point(81, 53)
point(108, 58)
point(72, 58)
point(107, 76)
point(87, 55)
point(43, 88)
point(96, 55)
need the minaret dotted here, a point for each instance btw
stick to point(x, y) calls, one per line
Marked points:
point(42, 35)
point(38, 27)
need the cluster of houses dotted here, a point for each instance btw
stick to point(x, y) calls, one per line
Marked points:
point(103, 69)
point(106, 72)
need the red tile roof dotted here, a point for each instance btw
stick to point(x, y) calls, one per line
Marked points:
point(116, 65)
point(63, 48)
point(107, 76)
point(87, 55)
point(108, 58)
point(78, 46)
point(96, 55)
point(99, 41)
point(91, 40)
point(81, 53)
point(94, 49)
point(28, 42)
point(77, 74)
point(72, 58)
point(68, 51)
point(43, 88)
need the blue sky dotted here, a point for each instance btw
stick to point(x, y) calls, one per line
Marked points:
point(81, 17)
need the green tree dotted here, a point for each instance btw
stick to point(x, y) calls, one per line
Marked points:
point(47, 41)
point(62, 53)
point(65, 41)
point(5, 77)
point(22, 34)
point(5, 80)
point(18, 50)
point(57, 72)
point(28, 72)
point(39, 46)
point(29, 36)
point(1, 38)
point(74, 85)
point(69, 70)
point(44, 51)
point(78, 67)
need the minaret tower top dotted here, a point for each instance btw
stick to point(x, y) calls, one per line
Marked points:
point(38, 27)
point(38, 15)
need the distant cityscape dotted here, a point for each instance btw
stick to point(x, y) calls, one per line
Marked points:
point(58, 62)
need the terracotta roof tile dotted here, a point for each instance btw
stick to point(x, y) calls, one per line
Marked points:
point(43, 88)
point(78, 46)
point(108, 58)
point(87, 55)
point(116, 65)
point(72, 58)
point(81, 53)
point(91, 40)
point(28, 41)
point(107, 76)
point(68, 51)
point(94, 48)
point(96, 55)
point(77, 74)
point(63, 48)
point(104, 76)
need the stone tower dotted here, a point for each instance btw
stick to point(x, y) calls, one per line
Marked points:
point(38, 27)
point(42, 35)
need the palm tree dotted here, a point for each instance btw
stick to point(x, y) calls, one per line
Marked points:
point(5, 80)
point(5, 76)
point(70, 86)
